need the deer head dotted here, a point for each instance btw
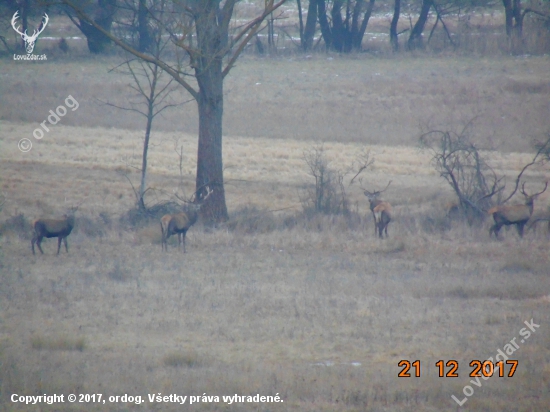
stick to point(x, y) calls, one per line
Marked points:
point(372, 196)
point(29, 40)
point(530, 198)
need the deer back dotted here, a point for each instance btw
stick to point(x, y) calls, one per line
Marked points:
point(54, 226)
point(513, 213)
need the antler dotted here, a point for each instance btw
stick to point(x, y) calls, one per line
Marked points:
point(533, 195)
point(194, 197)
point(543, 190)
point(522, 190)
point(388, 185)
point(13, 20)
point(41, 28)
point(378, 192)
point(524, 193)
point(208, 193)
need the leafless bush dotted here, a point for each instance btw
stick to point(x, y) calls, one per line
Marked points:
point(474, 182)
point(18, 224)
point(329, 196)
point(459, 162)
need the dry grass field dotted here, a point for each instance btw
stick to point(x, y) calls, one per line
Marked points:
point(312, 308)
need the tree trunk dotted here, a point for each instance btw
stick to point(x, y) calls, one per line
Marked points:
point(394, 41)
point(415, 40)
point(359, 39)
point(514, 25)
point(355, 20)
point(323, 22)
point(301, 22)
point(311, 22)
point(24, 10)
point(211, 38)
point(97, 41)
point(509, 16)
point(145, 40)
point(209, 158)
point(141, 201)
point(337, 26)
point(518, 18)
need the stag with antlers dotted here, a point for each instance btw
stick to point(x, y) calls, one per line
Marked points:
point(179, 223)
point(517, 215)
point(29, 40)
point(381, 210)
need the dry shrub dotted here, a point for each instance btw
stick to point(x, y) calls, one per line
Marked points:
point(518, 266)
point(189, 358)
point(63, 342)
point(503, 292)
point(106, 219)
point(392, 245)
point(17, 224)
point(119, 272)
point(90, 227)
point(249, 219)
point(527, 87)
point(136, 218)
point(150, 235)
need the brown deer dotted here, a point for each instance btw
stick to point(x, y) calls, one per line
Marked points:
point(48, 228)
point(382, 215)
point(517, 215)
point(179, 223)
point(381, 210)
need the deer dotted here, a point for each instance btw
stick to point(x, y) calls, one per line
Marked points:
point(48, 228)
point(381, 210)
point(29, 40)
point(382, 214)
point(179, 223)
point(517, 215)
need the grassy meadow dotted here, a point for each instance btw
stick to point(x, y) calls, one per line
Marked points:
point(313, 308)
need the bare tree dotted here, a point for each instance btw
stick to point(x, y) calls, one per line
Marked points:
point(344, 30)
point(459, 162)
point(101, 15)
point(209, 20)
point(329, 194)
point(515, 13)
point(474, 182)
point(154, 92)
point(415, 38)
point(394, 41)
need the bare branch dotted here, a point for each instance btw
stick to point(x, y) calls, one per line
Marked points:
point(175, 74)
point(542, 149)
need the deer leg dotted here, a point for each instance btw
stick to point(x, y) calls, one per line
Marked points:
point(65, 243)
point(375, 222)
point(33, 241)
point(495, 229)
point(38, 242)
point(184, 233)
point(520, 229)
point(58, 244)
